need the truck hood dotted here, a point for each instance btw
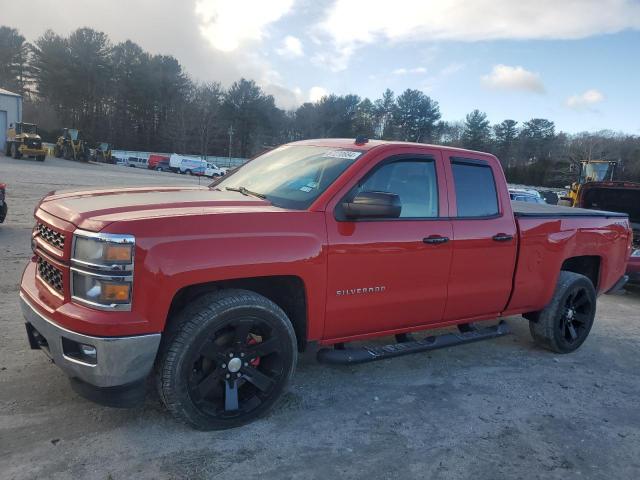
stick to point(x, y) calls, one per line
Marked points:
point(95, 209)
point(622, 197)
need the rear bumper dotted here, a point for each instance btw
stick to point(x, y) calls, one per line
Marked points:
point(118, 360)
point(633, 269)
point(619, 284)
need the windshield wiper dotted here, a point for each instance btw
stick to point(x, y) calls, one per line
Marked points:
point(246, 192)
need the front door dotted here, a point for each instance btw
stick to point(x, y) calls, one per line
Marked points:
point(390, 274)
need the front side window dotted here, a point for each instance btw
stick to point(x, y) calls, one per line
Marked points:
point(414, 181)
point(476, 194)
point(291, 176)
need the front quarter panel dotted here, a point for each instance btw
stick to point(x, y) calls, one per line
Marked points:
point(174, 253)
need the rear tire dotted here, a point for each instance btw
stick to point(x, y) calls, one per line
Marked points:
point(564, 324)
point(40, 158)
point(226, 360)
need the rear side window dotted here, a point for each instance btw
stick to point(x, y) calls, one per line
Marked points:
point(476, 194)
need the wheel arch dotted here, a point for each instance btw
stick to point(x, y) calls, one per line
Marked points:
point(587, 265)
point(286, 291)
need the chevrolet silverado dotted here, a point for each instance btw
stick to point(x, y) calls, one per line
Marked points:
point(319, 242)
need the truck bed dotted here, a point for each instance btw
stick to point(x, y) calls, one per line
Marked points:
point(537, 210)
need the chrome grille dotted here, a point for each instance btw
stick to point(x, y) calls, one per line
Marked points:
point(50, 274)
point(49, 235)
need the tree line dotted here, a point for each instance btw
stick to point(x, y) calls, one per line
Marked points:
point(121, 94)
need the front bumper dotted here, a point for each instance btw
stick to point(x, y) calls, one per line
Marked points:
point(119, 360)
point(31, 152)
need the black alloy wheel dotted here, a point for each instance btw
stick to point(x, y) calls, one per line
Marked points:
point(564, 324)
point(236, 370)
point(577, 316)
point(229, 360)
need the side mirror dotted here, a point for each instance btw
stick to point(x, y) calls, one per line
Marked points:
point(373, 205)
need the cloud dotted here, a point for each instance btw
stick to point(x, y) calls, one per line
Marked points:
point(448, 70)
point(316, 93)
point(227, 24)
point(504, 77)
point(169, 28)
point(336, 60)
point(406, 71)
point(585, 100)
point(284, 97)
point(350, 24)
point(291, 47)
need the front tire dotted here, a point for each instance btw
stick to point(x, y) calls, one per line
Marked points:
point(564, 324)
point(227, 360)
point(15, 152)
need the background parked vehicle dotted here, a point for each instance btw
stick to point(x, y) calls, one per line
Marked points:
point(154, 159)
point(162, 166)
point(71, 145)
point(187, 165)
point(210, 171)
point(526, 195)
point(213, 170)
point(3, 202)
point(23, 141)
point(621, 197)
point(137, 162)
point(102, 153)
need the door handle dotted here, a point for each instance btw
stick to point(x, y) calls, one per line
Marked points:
point(502, 237)
point(435, 239)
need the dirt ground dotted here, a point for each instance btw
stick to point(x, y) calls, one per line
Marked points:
point(500, 409)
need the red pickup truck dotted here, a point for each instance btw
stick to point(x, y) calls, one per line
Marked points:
point(214, 290)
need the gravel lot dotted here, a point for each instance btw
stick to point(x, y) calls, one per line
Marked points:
point(496, 409)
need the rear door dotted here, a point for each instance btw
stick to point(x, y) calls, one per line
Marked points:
point(389, 274)
point(484, 238)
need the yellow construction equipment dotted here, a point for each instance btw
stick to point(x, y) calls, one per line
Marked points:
point(23, 141)
point(102, 153)
point(71, 145)
point(591, 171)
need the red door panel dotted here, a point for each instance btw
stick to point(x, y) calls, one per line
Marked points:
point(408, 276)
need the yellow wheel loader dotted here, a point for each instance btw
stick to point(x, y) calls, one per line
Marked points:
point(71, 146)
point(591, 171)
point(23, 141)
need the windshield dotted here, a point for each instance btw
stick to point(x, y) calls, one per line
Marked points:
point(291, 176)
point(596, 172)
point(28, 128)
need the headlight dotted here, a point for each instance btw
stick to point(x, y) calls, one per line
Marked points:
point(112, 251)
point(102, 270)
point(101, 290)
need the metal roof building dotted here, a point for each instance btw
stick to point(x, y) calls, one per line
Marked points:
point(10, 112)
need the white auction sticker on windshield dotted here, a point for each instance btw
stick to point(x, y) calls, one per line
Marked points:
point(346, 154)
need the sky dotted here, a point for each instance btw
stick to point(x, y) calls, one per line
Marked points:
point(576, 62)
